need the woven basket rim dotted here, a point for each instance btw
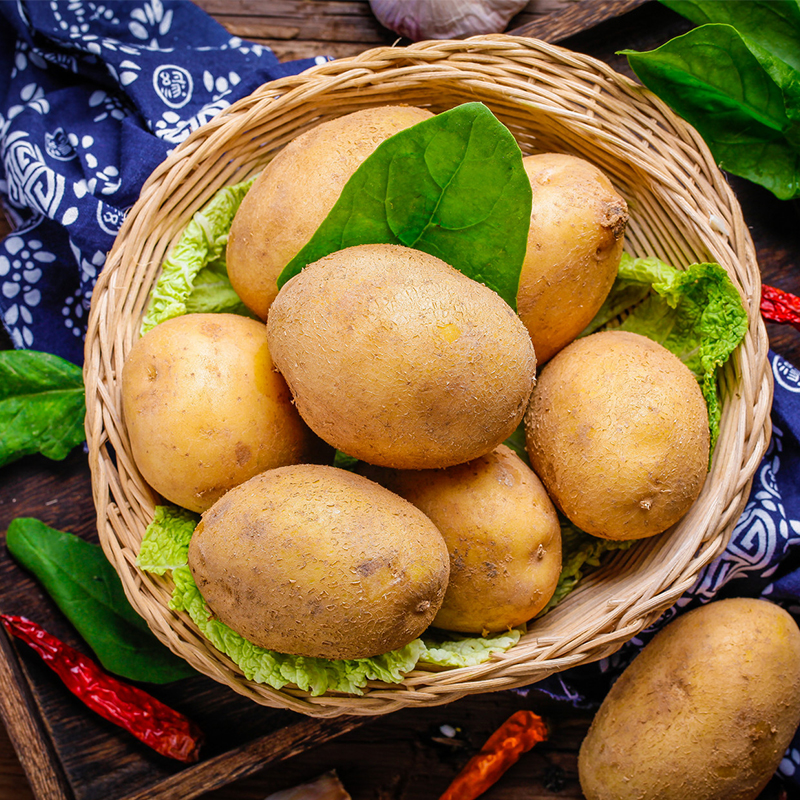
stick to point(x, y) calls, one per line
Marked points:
point(549, 97)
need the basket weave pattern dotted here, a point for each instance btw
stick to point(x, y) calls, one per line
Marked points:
point(682, 211)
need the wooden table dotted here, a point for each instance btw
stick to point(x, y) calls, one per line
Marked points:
point(405, 755)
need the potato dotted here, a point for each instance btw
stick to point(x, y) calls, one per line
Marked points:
point(317, 561)
point(295, 192)
point(617, 430)
point(502, 534)
point(704, 712)
point(205, 409)
point(398, 359)
point(574, 248)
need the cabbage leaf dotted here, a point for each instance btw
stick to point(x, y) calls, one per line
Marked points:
point(194, 276)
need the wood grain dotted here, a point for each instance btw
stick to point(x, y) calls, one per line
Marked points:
point(26, 730)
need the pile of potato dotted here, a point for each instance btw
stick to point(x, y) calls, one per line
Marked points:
point(396, 359)
point(400, 361)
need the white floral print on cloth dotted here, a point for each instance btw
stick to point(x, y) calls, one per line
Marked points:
point(761, 560)
point(93, 96)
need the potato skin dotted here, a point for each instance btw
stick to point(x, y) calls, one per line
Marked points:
point(704, 712)
point(617, 430)
point(317, 561)
point(398, 359)
point(295, 192)
point(206, 410)
point(574, 248)
point(502, 534)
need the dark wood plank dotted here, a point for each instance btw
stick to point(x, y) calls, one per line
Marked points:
point(13, 782)
point(407, 756)
point(26, 730)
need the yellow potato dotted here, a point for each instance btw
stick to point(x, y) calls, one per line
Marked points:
point(205, 409)
point(617, 429)
point(502, 534)
point(398, 359)
point(295, 192)
point(574, 248)
point(317, 561)
point(704, 712)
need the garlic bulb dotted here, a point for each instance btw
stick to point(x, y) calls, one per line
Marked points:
point(445, 19)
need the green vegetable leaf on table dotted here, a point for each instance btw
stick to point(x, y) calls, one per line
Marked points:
point(736, 79)
point(452, 186)
point(42, 405)
point(84, 585)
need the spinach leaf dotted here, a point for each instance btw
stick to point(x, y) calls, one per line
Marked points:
point(42, 405)
point(774, 25)
point(452, 186)
point(713, 79)
point(84, 585)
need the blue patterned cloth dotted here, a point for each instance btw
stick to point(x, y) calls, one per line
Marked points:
point(93, 96)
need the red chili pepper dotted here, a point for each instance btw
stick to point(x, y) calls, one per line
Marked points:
point(780, 306)
point(518, 734)
point(157, 725)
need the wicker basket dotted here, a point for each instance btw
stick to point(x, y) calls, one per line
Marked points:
point(682, 210)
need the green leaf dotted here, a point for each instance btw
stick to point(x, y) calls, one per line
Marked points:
point(42, 405)
point(452, 186)
point(84, 585)
point(166, 541)
point(774, 25)
point(194, 276)
point(468, 651)
point(713, 79)
point(770, 30)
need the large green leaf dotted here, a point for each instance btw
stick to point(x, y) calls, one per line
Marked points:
point(42, 405)
point(716, 79)
point(772, 24)
point(452, 186)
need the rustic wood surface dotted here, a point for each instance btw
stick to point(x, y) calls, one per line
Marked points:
point(401, 756)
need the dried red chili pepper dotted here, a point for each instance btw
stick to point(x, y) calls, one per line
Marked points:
point(167, 731)
point(518, 734)
point(780, 306)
